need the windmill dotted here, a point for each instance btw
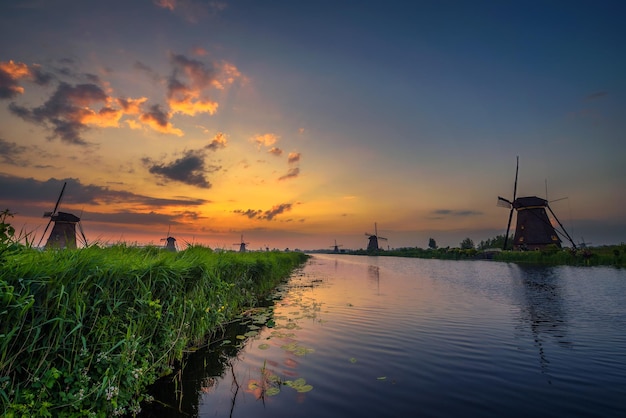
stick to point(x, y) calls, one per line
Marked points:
point(63, 233)
point(372, 245)
point(170, 241)
point(533, 230)
point(242, 245)
point(336, 247)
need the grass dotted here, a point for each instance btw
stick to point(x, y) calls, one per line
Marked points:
point(612, 255)
point(84, 332)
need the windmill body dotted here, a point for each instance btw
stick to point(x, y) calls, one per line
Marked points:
point(533, 230)
point(336, 247)
point(170, 244)
point(63, 233)
point(242, 245)
point(372, 245)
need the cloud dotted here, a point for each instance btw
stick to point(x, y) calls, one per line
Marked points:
point(191, 80)
point(68, 111)
point(218, 141)
point(292, 173)
point(158, 120)
point(277, 210)
point(596, 95)
point(275, 151)
point(36, 192)
point(10, 74)
point(11, 153)
point(293, 157)
point(265, 140)
point(189, 169)
point(192, 10)
point(441, 213)
point(267, 215)
point(131, 106)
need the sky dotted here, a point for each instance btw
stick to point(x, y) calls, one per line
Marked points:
point(298, 124)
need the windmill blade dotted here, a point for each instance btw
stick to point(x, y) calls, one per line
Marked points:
point(56, 206)
point(504, 203)
point(508, 226)
point(384, 239)
point(516, 171)
point(44, 232)
point(82, 233)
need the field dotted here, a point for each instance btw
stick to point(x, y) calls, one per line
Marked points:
point(84, 332)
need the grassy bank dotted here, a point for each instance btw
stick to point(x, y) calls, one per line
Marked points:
point(84, 332)
point(612, 255)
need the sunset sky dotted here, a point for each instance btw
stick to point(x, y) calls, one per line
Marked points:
point(298, 123)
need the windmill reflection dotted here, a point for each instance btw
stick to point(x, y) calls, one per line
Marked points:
point(541, 307)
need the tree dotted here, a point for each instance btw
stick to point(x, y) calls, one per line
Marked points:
point(432, 243)
point(467, 244)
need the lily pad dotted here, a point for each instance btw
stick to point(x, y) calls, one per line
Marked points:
point(264, 346)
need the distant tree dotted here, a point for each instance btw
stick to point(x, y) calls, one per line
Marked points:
point(432, 243)
point(495, 242)
point(467, 244)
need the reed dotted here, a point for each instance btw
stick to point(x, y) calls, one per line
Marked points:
point(84, 332)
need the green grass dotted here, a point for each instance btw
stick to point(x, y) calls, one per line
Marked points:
point(613, 255)
point(84, 332)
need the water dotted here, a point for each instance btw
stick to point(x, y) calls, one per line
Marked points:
point(398, 337)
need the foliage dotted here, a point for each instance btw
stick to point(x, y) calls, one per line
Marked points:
point(496, 242)
point(432, 244)
point(467, 244)
point(84, 332)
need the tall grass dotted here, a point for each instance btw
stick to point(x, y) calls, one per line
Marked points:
point(83, 332)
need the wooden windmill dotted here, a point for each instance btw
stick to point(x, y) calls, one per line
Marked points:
point(372, 245)
point(242, 245)
point(63, 233)
point(533, 230)
point(336, 247)
point(170, 242)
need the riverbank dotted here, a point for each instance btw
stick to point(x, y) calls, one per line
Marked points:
point(84, 332)
point(610, 255)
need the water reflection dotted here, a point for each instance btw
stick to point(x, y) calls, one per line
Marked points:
point(542, 309)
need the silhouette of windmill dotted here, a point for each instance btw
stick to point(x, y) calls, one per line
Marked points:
point(533, 230)
point(336, 247)
point(242, 245)
point(170, 242)
point(372, 245)
point(63, 233)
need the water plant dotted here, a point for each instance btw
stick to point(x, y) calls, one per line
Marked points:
point(84, 332)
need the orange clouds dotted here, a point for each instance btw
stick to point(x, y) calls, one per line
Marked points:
point(265, 140)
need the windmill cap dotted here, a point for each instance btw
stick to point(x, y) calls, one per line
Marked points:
point(524, 202)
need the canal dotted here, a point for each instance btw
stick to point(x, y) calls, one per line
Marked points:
point(395, 337)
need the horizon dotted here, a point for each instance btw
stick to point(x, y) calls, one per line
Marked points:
point(300, 124)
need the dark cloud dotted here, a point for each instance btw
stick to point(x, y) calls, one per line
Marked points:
point(218, 141)
point(148, 71)
point(596, 95)
point(156, 115)
point(267, 215)
point(64, 110)
point(11, 153)
point(250, 213)
point(198, 72)
point(45, 193)
point(189, 169)
point(292, 173)
point(277, 210)
point(455, 213)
